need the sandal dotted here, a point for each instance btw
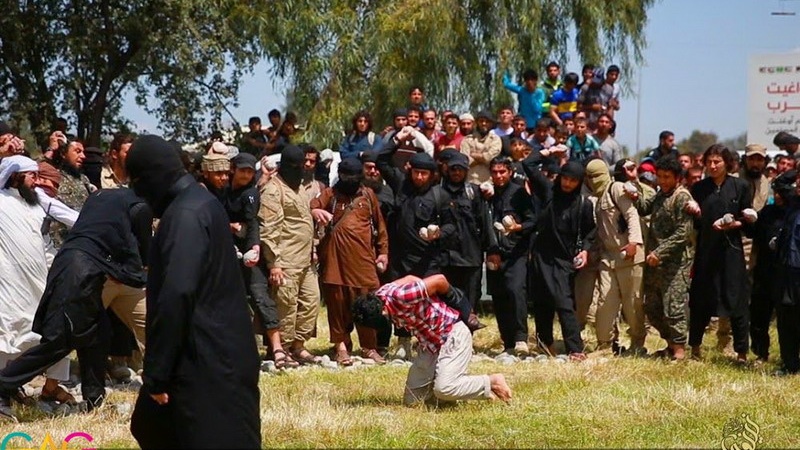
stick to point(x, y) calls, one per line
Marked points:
point(343, 358)
point(58, 395)
point(304, 357)
point(373, 355)
point(285, 361)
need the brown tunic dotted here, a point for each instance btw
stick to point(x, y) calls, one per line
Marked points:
point(347, 252)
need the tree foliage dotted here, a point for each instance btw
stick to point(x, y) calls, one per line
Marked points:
point(343, 55)
point(79, 58)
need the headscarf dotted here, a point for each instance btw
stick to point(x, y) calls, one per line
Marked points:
point(599, 177)
point(154, 165)
point(13, 164)
point(48, 172)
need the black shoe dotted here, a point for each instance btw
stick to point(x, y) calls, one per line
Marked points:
point(6, 413)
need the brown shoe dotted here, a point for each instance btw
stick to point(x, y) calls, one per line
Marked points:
point(371, 353)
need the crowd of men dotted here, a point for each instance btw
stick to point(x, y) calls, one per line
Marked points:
point(543, 202)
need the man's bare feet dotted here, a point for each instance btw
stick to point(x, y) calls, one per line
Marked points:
point(499, 387)
point(678, 352)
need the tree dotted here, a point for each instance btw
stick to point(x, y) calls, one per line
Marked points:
point(344, 55)
point(697, 142)
point(78, 58)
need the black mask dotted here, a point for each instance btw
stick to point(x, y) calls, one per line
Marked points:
point(291, 168)
point(154, 166)
point(348, 184)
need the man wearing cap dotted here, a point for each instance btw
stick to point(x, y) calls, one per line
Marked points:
point(287, 236)
point(419, 205)
point(786, 142)
point(216, 172)
point(481, 147)
point(201, 366)
point(354, 250)
point(24, 270)
point(466, 124)
point(463, 257)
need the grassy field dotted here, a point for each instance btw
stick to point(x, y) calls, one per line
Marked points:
point(602, 402)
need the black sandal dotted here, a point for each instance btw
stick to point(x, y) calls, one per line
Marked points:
point(285, 362)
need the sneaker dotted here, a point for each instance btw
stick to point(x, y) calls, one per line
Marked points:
point(521, 348)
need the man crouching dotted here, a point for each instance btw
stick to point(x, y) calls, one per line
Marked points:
point(426, 307)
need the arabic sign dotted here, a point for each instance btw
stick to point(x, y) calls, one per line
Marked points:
point(774, 91)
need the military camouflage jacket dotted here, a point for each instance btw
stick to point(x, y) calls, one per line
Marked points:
point(73, 192)
point(670, 226)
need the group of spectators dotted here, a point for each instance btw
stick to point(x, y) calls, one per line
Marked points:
point(543, 202)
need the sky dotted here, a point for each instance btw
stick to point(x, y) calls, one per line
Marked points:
point(694, 73)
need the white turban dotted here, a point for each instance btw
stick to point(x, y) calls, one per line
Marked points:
point(13, 164)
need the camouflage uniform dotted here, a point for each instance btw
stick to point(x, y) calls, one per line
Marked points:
point(666, 286)
point(73, 192)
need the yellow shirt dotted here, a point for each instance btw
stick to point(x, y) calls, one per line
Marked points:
point(286, 226)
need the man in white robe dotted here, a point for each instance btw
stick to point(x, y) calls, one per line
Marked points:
point(23, 268)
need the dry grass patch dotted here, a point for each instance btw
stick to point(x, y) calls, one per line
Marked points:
point(618, 402)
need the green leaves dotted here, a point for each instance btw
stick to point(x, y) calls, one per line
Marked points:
point(344, 55)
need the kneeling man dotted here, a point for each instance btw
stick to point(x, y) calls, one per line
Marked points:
point(427, 308)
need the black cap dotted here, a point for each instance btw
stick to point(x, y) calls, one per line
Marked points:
point(459, 160)
point(244, 161)
point(785, 182)
point(422, 161)
point(351, 166)
point(447, 154)
point(486, 115)
point(400, 112)
point(369, 156)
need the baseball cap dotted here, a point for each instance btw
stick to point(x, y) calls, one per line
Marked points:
point(755, 149)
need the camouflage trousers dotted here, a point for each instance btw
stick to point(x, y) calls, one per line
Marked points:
point(666, 295)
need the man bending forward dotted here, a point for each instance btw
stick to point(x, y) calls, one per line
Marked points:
point(423, 306)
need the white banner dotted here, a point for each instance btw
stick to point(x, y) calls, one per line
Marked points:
point(774, 89)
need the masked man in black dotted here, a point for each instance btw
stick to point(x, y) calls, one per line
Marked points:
point(201, 365)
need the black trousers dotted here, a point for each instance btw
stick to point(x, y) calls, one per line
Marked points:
point(788, 312)
point(762, 305)
point(468, 279)
point(509, 299)
point(699, 318)
point(552, 291)
point(122, 341)
point(57, 342)
point(261, 303)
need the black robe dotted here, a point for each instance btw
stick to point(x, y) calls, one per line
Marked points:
point(719, 282)
point(200, 345)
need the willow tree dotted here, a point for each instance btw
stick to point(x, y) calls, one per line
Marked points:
point(79, 58)
point(343, 55)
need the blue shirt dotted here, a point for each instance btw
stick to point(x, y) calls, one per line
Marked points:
point(565, 103)
point(530, 103)
point(581, 151)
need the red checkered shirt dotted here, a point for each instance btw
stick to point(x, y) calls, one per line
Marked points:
point(427, 318)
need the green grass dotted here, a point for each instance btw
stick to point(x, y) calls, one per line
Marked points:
point(602, 402)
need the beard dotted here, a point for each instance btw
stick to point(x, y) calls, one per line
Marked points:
point(376, 184)
point(72, 170)
point(753, 174)
point(308, 176)
point(28, 194)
